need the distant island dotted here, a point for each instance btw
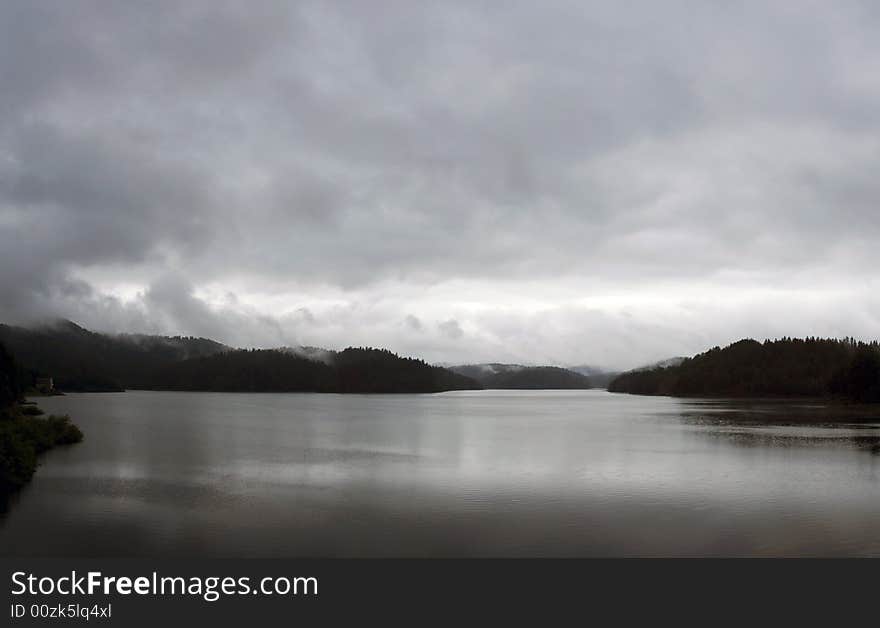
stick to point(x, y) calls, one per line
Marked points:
point(789, 367)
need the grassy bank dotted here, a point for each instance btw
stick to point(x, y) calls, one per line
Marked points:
point(24, 435)
point(25, 432)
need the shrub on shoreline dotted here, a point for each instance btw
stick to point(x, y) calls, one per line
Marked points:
point(23, 438)
point(24, 432)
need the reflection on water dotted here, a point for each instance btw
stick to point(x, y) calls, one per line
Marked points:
point(510, 473)
point(781, 423)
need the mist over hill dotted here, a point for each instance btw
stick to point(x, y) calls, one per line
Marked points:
point(353, 370)
point(661, 364)
point(81, 360)
point(599, 377)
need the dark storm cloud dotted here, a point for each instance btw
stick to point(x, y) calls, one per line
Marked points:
point(354, 160)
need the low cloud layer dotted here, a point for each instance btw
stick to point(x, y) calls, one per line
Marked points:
point(568, 182)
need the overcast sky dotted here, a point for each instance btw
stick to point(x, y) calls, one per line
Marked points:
point(545, 182)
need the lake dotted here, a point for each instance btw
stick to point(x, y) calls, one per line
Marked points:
point(477, 473)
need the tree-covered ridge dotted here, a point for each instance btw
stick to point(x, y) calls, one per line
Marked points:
point(539, 377)
point(82, 360)
point(518, 377)
point(366, 369)
point(860, 380)
point(812, 367)
point(253, 370)
point(354, 370)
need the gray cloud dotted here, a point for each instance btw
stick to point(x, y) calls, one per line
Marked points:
point(578, 182)
point(413, 323)
point(451, 329)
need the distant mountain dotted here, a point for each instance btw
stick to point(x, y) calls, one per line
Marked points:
point(480, 372)
point(517, 376)
point(586, 370)
point(790, 367)
point(599, 378)
point(78, 359)
point(81, 360)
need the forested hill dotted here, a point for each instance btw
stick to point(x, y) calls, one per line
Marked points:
point(79, 359)
point(363, 370)
point(10, 386)
point(515, 376)
point(812, 367)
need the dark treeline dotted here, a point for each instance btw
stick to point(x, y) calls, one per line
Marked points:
point(516, 377)
point(811, 367)
point(379, 370)
point(860, 379)
point(24, 432)
point(10, 379)
point(81, 360)
point(354, 370)
point(539, 377)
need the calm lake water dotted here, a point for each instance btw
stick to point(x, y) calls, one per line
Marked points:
point(485, 473)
